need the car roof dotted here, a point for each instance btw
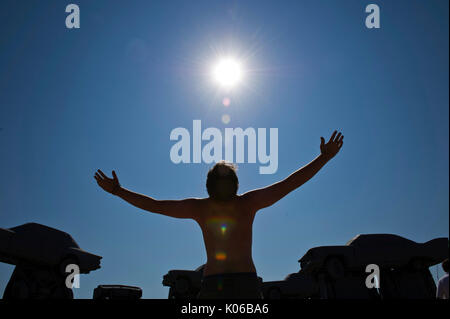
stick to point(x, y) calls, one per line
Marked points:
point(35, 229)
point(377, 239)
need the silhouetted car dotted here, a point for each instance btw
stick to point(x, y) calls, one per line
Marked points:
point(297, 286)
point(339, 271)
point(40, 245)
point(184, 284)
point(384, 250)
point(117, 292)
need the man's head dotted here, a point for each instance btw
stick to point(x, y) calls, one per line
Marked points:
point(445, 265)
point(222, 182)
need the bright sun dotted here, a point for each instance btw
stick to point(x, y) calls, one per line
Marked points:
point(227, 72)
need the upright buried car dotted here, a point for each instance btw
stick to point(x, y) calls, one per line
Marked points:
point(41, 255)
point(39, 245)
point(403, 267)
point(384, 250)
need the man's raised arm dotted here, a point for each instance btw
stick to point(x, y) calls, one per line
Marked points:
point(185, 208)
point(267, 196)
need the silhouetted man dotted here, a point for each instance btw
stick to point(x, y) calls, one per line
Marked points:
point(226, 219)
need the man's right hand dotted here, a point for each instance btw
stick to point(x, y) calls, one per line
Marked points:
point(110, 185)
point(330, 149)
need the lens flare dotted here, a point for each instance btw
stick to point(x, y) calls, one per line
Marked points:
point(226, 119)
point(226, 102)
point(221, 256)
point(220, 225)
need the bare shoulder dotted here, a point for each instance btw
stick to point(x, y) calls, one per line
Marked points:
point(246, 201)
point(199, 206)
point(247, 198)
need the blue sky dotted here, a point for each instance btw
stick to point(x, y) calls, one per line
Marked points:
point(107, 96)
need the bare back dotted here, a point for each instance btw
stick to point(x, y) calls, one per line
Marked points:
point(227, 234)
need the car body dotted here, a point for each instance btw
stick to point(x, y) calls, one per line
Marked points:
point(117, 292)
point(295, 286)
point(384, 250)
point(184, 284)
point(36, 244)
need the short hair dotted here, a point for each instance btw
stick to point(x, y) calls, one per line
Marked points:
point(445, 265)
point(222, 182)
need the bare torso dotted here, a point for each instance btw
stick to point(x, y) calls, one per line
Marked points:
point(227, 233)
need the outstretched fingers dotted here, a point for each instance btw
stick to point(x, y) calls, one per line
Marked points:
point(340, 141)
point(102, 174)
point(332, 137)
point(322, 141)
point(336, 137)
point(115, 176)
point(99, 177)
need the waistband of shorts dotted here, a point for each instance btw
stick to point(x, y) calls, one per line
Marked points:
point(231, 275)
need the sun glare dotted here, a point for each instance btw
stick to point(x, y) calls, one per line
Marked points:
point(227, 72)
